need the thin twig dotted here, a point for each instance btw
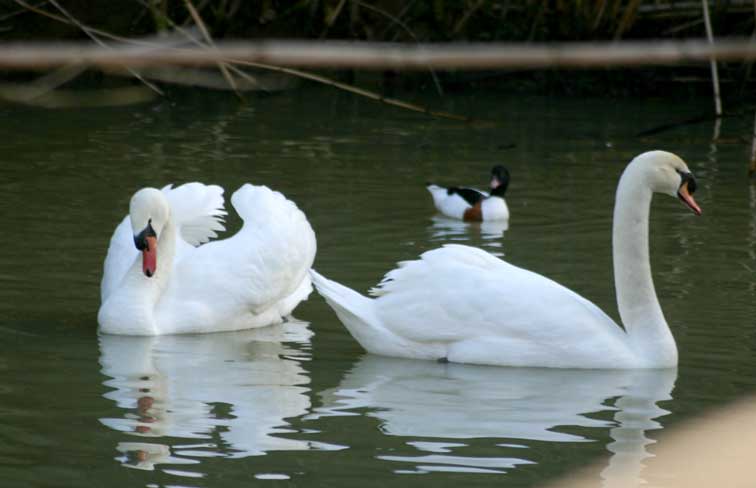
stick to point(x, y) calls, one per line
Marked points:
point(324, 80)
point(752, 166)
point(627, 18)
point(203, 30)
point(21, 11)
point(98, 41)
point(82, 26)
point(406, 28)
point(330, 19)
point(466, 17)
point(353, 89)
point(713, 62)
point(222, 66)
point(599, 15)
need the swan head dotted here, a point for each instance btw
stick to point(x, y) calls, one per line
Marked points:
point(499, 178)
point(149, 212)
point(667, 173)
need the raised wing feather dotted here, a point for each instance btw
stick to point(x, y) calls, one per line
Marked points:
point(197, 210)
point(252, 271)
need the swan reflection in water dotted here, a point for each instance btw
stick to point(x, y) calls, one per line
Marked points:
point(452, 230)
point(224, 394)
point(457, 403)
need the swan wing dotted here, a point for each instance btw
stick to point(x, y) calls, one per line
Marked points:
point(197, 211)
point(261, 270)
point(458, 293)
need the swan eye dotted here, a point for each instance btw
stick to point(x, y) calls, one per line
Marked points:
point(688, 178)
point(140, 240)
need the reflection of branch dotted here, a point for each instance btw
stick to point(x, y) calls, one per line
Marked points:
point(63, 99)
point(40, 86)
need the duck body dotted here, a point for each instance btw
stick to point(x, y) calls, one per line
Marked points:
point(472, 204)
point(188, 285)
point(462, 304)
point(468, 204)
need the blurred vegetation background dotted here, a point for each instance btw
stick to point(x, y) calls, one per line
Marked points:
point(413, 21)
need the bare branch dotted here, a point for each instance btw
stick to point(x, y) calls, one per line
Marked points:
point(713, 62)
point(368, 55)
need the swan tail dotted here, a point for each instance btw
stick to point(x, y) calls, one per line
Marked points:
point(341, 298)
point(355, 311)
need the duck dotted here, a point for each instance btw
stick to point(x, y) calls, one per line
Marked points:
point(471, 204)
point(163, 274)
point(461, 304)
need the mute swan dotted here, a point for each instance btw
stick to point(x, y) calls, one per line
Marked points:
point(472, 204)
point(461, 304)
point(252, 279)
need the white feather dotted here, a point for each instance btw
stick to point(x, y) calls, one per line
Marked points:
point(197, 210)
point(252, 279)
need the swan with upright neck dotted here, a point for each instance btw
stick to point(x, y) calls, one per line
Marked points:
point(461, 304)
point(162, 276)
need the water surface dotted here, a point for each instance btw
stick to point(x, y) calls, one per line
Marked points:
point(301, 403)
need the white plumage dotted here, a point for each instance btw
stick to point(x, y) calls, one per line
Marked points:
point(461, 304)
point(252, 279)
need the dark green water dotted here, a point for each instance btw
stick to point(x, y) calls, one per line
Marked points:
point(301, 404)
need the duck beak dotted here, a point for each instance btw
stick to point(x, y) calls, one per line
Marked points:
point(685, 192)
point(146, 241)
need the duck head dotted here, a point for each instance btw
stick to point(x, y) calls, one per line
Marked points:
point(499, 179)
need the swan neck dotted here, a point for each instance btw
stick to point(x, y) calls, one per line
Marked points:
point(638, 305)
